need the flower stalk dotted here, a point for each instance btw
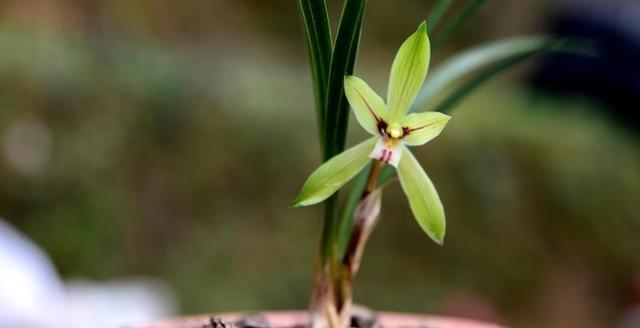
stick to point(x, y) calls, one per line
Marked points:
point(332, 302)
point(365, 220)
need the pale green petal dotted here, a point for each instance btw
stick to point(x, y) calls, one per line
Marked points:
point(334, 173)
point(366, 104)
point(422, 127)
point(423, 197)
point(408, 72)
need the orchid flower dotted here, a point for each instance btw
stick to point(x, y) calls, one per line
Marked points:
point(393, 130)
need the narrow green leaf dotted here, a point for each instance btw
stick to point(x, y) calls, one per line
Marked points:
point(334, 173)
point(351, 202)
point(328, 249)
point(437, 12)
point(459, 93)
point(470, 60)
point(455, 23)
point(342, 63)
point(318, 35)
point(502, 65)
point(408, 71)
point(423, 197)
point(387, 173)
point(336, 111)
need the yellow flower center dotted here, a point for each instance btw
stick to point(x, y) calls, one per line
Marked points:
point(394, 130)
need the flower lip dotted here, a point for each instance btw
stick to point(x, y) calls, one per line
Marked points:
point(388, 151)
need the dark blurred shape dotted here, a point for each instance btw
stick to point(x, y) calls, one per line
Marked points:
point(613, 76)
point(631, 317)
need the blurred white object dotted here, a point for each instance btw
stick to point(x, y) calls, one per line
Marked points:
point(33, 295)
point(117, 303)
point(29, 284)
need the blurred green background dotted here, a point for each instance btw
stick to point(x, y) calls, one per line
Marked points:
point(167, 138)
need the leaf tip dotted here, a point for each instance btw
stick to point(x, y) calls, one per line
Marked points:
point(299, 201)
point(294, 204)
point(436, 234)
point(439, 239)
point(422, 28)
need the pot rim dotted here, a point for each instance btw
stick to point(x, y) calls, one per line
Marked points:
point(293, 317)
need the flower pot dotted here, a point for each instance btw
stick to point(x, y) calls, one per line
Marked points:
point(278, 319)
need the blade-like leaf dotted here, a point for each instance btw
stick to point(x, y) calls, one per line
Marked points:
point(455, 23)
point(423, 197)
point(351, 202)
point(437, 12)
point(318, 35)
point(342, 63)
point(565, 45)
point(336, 110)
point(470, 60)
point(387, 173)
point(368, 107)
point(334, 173)
point(408, 71)
point(459, 93)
